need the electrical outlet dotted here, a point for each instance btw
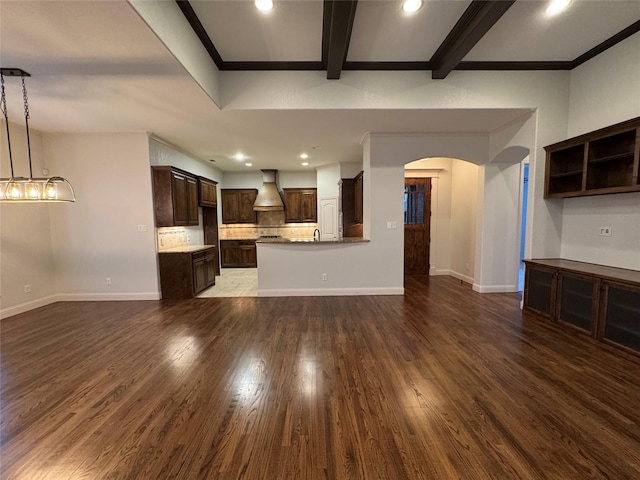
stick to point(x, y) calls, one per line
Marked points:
point(107, 281)
point(27, 289)
point(605, 231)
point(466, 265)
point(324, 277)
point(143, 228)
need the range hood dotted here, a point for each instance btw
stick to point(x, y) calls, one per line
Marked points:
point(269, 199)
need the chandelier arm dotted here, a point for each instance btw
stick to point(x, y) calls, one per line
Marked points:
point(3, 105)
point(26, 121)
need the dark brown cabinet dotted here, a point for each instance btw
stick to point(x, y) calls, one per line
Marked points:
point(595, 299)
point(185, 274)
point(601, 162)
point(175, 197)
point(300, 205)
point(237, 205)
point(238, 254)
point(207, 192)
point(357, 185)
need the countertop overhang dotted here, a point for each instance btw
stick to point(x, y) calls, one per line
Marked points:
point(310, 241)
point(186, 249)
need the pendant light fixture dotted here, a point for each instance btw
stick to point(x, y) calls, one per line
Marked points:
point(22, 189)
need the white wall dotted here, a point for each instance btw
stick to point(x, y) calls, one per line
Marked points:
point(96, 237)
point(464, 210)
point(604, 91)
point(26, 256)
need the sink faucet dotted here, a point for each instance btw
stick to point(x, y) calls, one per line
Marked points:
point(314, 235)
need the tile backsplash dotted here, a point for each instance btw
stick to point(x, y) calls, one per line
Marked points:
point(247, 231)
point(170, 237)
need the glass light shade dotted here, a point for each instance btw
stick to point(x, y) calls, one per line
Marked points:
point(19, 189)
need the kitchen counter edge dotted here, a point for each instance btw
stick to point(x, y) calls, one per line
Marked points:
point(186, 249)
point(294, 241)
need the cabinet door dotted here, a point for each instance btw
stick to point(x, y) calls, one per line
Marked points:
point(577, 302)
point(230, 206)
point(179, 193)
point(309, 206)
point(358, 198)
point(192, 201)
point(621, 315)
point(208, 192)
point(248, 257)
point(246, 200)
point(540, 290)
point(230, 253)
point(199, 274)
point(292, 213)
point(210, 267)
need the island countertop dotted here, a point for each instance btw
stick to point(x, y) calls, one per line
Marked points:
point(311, 241)
point(186, 249)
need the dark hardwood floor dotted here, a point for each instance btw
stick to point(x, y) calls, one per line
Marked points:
point(442, 383)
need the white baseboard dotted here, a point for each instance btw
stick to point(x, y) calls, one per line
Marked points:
point(107, 297)
point(328, 292)
point(76, 297)
point(433, 272)
point(25, 307)
point(460, 276)
point(495, 288)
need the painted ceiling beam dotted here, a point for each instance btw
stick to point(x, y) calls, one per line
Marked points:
point(336, 34)
point(474, 23)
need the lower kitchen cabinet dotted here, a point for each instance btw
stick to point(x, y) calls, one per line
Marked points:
point(595, 299)
point(238, 254)
point(185, 274)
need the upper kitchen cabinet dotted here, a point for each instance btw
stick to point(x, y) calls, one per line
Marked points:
point(208, 192)
point(175, 197)
point(237, 205)
point(300, 205)
point(601, 162)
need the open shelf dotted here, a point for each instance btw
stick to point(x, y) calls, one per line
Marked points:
point(601, 162)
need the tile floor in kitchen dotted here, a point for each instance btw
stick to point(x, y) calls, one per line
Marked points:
point(234, 282)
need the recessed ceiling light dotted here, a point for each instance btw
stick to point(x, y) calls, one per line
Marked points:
point(305, 164)
point(556, 6)
point(264, 5)
point(411, 6)
point(248, 164)
point(304, 155)
point(239, 156)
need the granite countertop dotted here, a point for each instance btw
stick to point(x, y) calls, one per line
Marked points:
point(311, 241)
point(186, 249)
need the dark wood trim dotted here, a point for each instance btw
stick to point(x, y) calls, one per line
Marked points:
point(200, 31)
point(14, 72)
point(514, 66)
point(474, 23)
point(608, 43)
point(258, 66)
point(386, 66)
point(338, 20)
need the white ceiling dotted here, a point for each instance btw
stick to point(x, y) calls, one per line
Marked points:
point(97, 67)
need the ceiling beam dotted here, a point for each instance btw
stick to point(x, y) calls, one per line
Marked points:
point(474, 23)
point(336, 34)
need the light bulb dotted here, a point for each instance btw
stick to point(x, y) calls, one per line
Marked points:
point(264, 5)
point(33, 190)
point(52, 192)
point(556, 6)
point(411, 6)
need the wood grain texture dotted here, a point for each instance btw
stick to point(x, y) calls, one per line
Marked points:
point(442, 383)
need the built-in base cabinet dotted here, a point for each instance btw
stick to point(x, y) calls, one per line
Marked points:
point(238, 254)
point(601, 301)
point(185, 274)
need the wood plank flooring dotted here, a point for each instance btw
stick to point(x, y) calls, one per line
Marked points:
point(442, 383)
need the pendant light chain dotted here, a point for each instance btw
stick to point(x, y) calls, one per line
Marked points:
point(3, 106)
point(26, 120)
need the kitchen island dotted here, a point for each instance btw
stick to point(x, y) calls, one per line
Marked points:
point(186, 270)
point(304, 267)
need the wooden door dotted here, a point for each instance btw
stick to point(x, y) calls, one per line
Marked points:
point(309, 205)
point(230, 206)
point(246, 199)
point(417, 220)
point(180, 206)
point(192, 201)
